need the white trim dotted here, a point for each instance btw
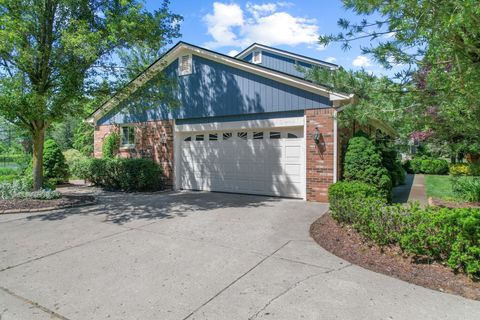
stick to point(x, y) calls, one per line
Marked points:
point(176, 157)
point(182, 48)
point(285, 54)
point(259, 61)
point(335, 146)
point(240, 125)
point(305, 145)
point(189, 62)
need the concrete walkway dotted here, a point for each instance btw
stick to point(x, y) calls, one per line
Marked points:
point(194, 256)
point(412, 190)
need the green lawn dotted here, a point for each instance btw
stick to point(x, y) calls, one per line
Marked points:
point(439, 187)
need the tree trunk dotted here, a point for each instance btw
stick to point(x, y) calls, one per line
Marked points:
point(38, 141)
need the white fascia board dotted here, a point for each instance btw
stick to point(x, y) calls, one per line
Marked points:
point(241, 125)
point(286, 54)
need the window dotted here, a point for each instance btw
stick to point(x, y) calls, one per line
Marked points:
point(258, 135)
point(227, 135)
point(213, 137)
point(127, 136)
point(199, 137)
point(188, 139)
point(185, 65)
point(242, 135)
point(257, 57)
point(275, 135)
point(291, 136)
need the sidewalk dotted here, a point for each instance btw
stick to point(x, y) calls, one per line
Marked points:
point(412, 190)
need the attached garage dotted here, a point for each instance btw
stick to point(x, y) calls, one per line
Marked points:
point(243, 157)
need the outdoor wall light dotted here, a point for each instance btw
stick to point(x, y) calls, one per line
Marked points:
point(316, 136)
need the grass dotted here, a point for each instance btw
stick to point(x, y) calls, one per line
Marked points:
point(439, 187)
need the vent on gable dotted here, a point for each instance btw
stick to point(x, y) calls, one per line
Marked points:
point(257, 57)
point(185, 64)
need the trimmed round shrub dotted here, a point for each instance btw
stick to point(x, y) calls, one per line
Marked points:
point(55, 168)
point(427, 166)
point(363, 162)
point(391, 161)
point(110, 146)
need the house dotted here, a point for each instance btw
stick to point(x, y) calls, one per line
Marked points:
point(245, 124)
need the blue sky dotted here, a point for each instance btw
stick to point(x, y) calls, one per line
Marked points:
point(230, 26)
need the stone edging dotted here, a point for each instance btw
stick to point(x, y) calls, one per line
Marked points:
point(12, 211)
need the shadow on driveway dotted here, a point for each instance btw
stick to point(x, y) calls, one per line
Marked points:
point(120, 207)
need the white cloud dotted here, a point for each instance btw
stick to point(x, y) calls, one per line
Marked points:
point(331, 59)
point(266, 23)
point(233, 53)
point(361, 61)
point(222, 22)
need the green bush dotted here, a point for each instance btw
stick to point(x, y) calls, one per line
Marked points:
point(467, 188)
point(55, 168)
point(73, 157)
point(451, 236)
point(110, 145)
point(38, 195)
point(123, 174)
point(464, 169)
point(363, 162)
point(427, 166)
point(391, 162)
point(8, 171)
point(339, 194)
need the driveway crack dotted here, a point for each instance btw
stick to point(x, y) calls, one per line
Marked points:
point(32, 303)
point(236, 280)
point(281, 294)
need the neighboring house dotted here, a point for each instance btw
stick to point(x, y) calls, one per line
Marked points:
point(246, 124)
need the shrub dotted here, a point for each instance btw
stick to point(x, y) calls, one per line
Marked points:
point(446, 235)
point(464, 169)
point(110, 145)
point(363, 162)
point(427, 166)
point(340, 193)
point(38, 195)
point(391, 161)
point(55, 167)
point(8, 190)
point(467, 188)
point(8, 171)
point(123, 174)
point(73, 157)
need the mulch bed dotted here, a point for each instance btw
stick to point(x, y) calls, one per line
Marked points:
point(452, 204)
point(30, 205)
point(346, 243)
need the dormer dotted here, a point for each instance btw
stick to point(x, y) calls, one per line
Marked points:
point(281, 60)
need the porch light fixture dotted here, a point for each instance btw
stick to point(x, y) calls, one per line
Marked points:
point(316, 136)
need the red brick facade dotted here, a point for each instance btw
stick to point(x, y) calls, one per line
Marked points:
point(153, 139)
point(320, 156)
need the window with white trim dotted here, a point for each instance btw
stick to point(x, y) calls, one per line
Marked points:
point(257, 57)
point(227, 135)
point(292, 136)
point(242, 135)
point(199, 137)
point(213, 137)
point(127, 137)
point(258, 135)
point(185, 64)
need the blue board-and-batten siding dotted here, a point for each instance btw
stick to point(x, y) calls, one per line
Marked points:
point(281, 63)
point(216, 90)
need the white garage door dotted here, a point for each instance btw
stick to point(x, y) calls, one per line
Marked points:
point(261, 161)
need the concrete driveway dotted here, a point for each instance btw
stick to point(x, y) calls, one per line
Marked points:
point(194, 256)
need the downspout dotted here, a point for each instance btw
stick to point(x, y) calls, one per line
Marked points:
point(335, 143)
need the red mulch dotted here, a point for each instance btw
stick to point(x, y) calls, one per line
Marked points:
point(346, 243)
point(452, 204)
point(27, 204)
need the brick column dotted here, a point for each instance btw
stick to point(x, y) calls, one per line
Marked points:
point(320, 157)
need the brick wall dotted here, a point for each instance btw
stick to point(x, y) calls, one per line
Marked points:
point(153, 140)
point(320, 157)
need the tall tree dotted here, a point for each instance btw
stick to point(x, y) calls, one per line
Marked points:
point(52, 53)
point(438, 45)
